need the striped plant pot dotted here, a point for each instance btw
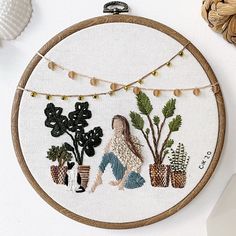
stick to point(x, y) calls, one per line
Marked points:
point(178, 179)
point(159, 175)
point(58, 174)
point(84, 174)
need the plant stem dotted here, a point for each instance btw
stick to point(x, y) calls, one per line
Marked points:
point(77, 157)
point(62, 164)
point(149, 145)
point(153, 136)
point(74, 154)
point(163, 147)
point(160, 130)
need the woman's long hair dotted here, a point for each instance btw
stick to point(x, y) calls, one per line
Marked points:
point(127, 135)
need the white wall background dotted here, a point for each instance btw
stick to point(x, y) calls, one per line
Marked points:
point(22, 211)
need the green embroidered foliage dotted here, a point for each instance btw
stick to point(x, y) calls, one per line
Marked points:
point(169, 108)
point(179, 159)
point(52, 153)
point(175, 124)
point(156, 120)
point(153, 135)
point(60, 154)
point(55, 120)
point(166, 152)
point(90, 140)
point(74, 126)
point(77, 118)
point(137, 120)
point(69, 147)
point(147, 131)
point(144, 104)
point(169, 143)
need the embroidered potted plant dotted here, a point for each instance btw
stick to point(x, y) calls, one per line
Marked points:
point(73, 125)
point(154, 133)
point(61, 155)
point(178, 164)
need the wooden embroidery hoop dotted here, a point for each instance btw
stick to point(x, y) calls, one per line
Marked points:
point(104, 20)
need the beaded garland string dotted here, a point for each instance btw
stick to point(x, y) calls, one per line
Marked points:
point(156, 92)
point(115, 87)
point(52, 65)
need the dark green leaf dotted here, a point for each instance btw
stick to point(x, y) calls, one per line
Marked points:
point(169, 108)
point(137, 120)
point(166, 152)
point(144, 104)
point(147, 131)
point(77, 119)
point(156, 120)
point(55, 120)
point(52, 153)
point(169, 143)
point(175, 124)
point(58, 153)
point(69, 147)
point(64, 154)
point(90, 140)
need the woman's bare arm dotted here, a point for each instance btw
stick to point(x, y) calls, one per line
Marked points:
point(107, 148)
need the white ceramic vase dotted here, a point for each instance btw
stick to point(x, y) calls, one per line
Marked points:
point(14, 17)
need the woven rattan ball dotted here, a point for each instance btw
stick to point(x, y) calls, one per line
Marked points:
point(221, 17)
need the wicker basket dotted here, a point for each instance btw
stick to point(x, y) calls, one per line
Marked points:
point(159, 175)
point(178, 179)
point(84, 174)
point(221, 17)
point(58, 174)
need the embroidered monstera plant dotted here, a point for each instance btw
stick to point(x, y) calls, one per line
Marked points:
point(154, 133)
point(73, 125)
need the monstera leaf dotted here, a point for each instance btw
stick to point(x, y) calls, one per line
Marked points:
point(90, 140)
point(55, 120)
point(77, 119)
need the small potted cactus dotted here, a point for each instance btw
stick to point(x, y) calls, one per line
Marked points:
point(179, 160)
point(154, 134)
point(61, 155)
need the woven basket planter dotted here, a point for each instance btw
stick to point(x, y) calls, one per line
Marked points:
point(159, 175)
point(84, 174)
point(178, 179)
point(58, 174)
point(221, 17)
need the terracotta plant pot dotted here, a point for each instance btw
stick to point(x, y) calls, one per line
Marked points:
point(159, 175)
point(58, 174)
point(178, 179)
point(84, 174)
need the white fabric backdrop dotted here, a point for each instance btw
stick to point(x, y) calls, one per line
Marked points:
point(112, 52)
point(20, 205)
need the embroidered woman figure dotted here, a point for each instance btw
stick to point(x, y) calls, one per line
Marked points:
point(123, 153)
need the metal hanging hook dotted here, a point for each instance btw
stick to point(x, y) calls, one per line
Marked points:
point(115, 7)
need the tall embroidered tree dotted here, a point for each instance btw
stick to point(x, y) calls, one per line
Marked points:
point(154, 132)
point(73, 125)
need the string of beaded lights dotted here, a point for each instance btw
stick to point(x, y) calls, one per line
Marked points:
point(136, 90)
point(113, 86)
